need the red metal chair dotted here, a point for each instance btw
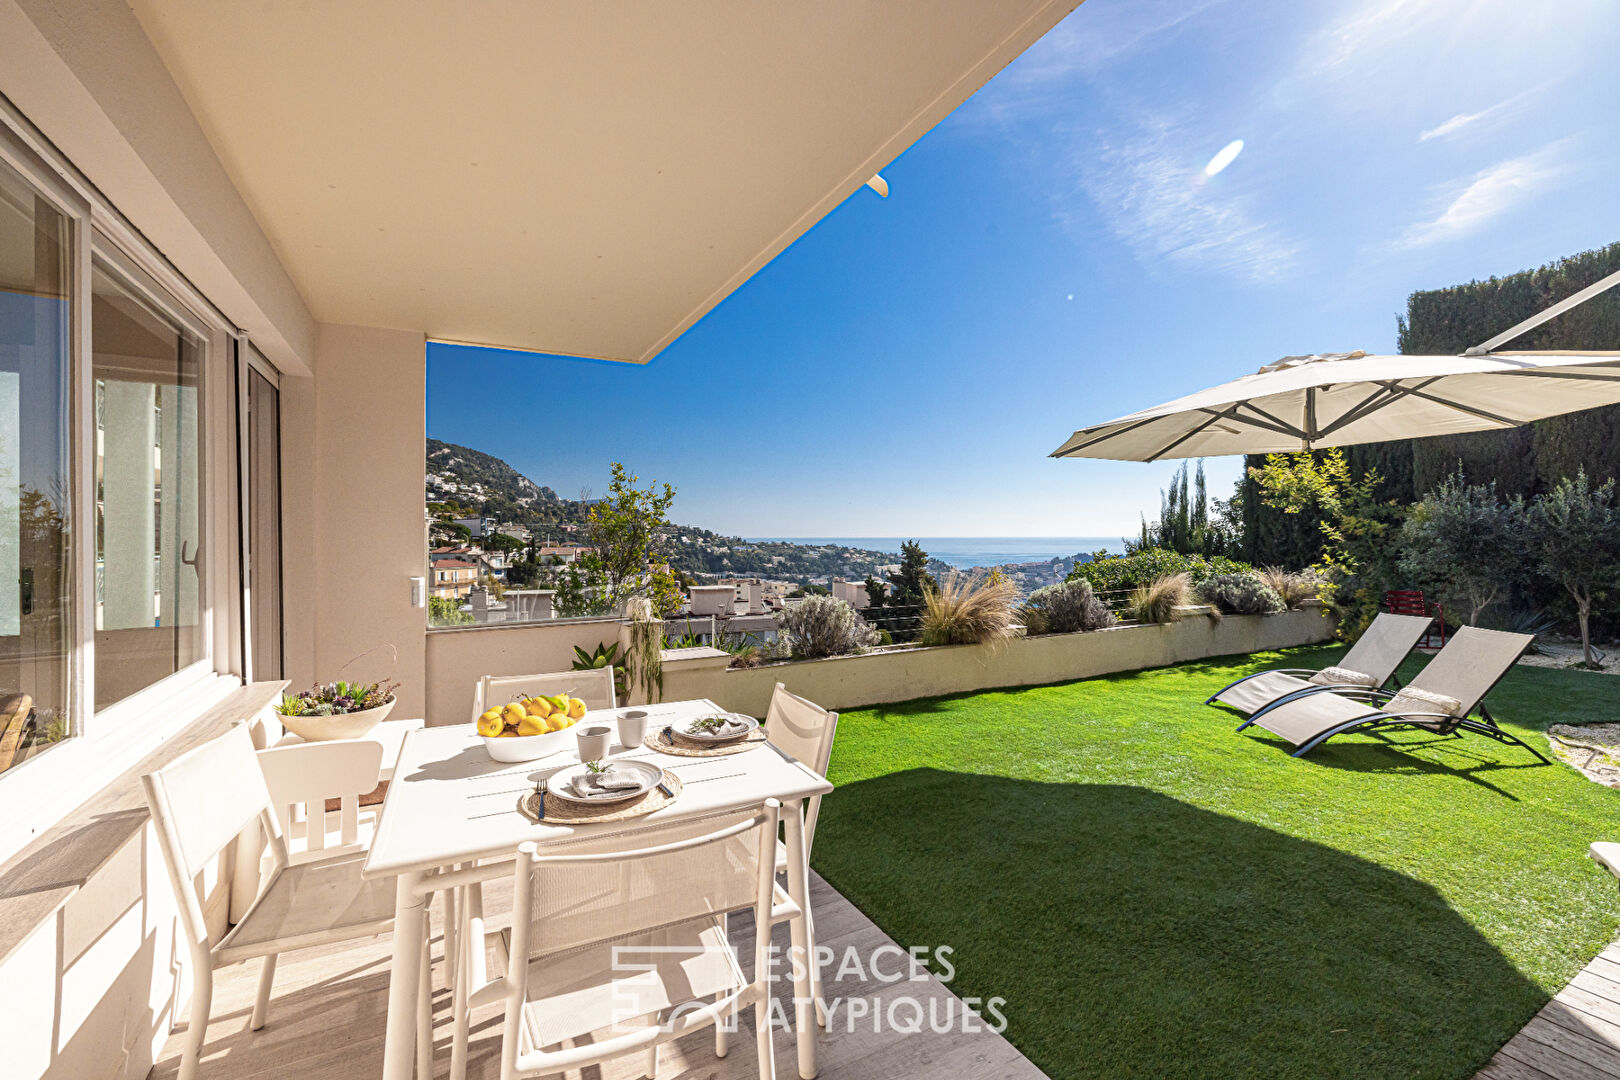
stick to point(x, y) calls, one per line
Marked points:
point(1412, 602)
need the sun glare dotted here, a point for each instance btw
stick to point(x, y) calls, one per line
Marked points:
point(1225, 157)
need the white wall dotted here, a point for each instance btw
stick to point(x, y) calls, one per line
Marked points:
point(852, 593)
point(366, 523)
point(93, 991)
point(848, 682)
point(457, 659)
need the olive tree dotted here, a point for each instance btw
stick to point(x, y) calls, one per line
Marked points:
point(1575, 534)
point(1465, 543)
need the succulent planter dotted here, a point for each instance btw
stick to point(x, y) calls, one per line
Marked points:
point(351, 725)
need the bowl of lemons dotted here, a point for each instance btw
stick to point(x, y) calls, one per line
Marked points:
point(530, 728)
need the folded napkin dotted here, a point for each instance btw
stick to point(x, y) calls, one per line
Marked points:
point(1342, 676)
point(731, 728)
point(610, 781)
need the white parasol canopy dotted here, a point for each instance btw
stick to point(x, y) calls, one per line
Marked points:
point(1339, 399)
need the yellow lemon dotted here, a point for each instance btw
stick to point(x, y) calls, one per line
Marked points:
point(538, 707)
point(576, 708)
point(513, 714)
point(557, 722)
point(558, 703)
point(490, 724)
point(532, 725)
point(509, 733)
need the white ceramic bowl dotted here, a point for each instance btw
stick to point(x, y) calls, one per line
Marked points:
point(531, 747)
point(339, 726)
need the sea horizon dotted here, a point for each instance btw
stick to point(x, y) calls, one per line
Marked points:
point(967, 551)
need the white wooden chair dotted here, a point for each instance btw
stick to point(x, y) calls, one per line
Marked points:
point(594, 687)
point(627, 946)
point(301, 778)
point(199, 803)
point(800, 727)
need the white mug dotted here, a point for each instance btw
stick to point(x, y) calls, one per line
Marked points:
point(632, 727)
point(594, 742)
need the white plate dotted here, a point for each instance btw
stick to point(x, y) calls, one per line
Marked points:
point(561, 782)
point(682, 726)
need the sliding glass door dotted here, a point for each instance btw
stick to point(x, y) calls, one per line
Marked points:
point(147, 371)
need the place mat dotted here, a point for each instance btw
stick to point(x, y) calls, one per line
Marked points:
point(681, 746)
point(561, 811)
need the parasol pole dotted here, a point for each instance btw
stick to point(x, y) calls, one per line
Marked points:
point(1572, 300)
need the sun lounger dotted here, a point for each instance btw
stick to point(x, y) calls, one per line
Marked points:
point(1440, 698)
point(1371, 662)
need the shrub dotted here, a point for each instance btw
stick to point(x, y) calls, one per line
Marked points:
point(1065, 608)
point(1466, 543)
point(1240, 594)
point(1112, 573)
point(1575, 529)
point(446, 611)
point(1293, 586)
point(969, 611)
point(1156, 601)
point(823, 626)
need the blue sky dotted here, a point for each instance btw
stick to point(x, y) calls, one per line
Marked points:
point(1053, 255)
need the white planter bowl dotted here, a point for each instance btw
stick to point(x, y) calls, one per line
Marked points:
point(532, 747)
point(340, 726)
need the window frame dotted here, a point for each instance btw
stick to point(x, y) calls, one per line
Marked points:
point(36, 793)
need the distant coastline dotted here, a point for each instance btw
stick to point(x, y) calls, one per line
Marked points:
point(969, 551)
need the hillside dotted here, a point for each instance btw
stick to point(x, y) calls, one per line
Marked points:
point(484, 484)
point(477, 483)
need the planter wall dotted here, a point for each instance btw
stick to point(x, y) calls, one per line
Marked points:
point(849, 682)
point(458, 658)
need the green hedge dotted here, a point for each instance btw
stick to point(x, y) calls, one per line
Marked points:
point(1525, 460)
point(1128, 571)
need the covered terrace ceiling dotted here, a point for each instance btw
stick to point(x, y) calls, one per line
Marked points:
point(586, 178)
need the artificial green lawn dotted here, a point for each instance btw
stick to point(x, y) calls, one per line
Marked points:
point(1156, 895)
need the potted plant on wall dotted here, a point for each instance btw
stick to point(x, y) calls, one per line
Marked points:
point(339, 709)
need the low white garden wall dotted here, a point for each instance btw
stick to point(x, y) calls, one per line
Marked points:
point(848, 682)
point(457, 658)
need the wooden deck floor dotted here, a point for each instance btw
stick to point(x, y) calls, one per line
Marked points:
point(1576, 1036)
point(326, 1020)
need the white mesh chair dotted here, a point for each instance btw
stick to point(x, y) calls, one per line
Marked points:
point(594, 687)
point(199, 803)
point(1441, 698)
point(1370, 662)
point(803, 729)
point(301, 778)
point(627, 946)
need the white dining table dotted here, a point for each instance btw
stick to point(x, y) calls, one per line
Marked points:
point(450, 804)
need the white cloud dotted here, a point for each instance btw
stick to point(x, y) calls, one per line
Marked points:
point(1463, 120)
point(1154, 196)
point(1370, 27)
point(1490, 194)
point(1451, 127)
point(1098, 32)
